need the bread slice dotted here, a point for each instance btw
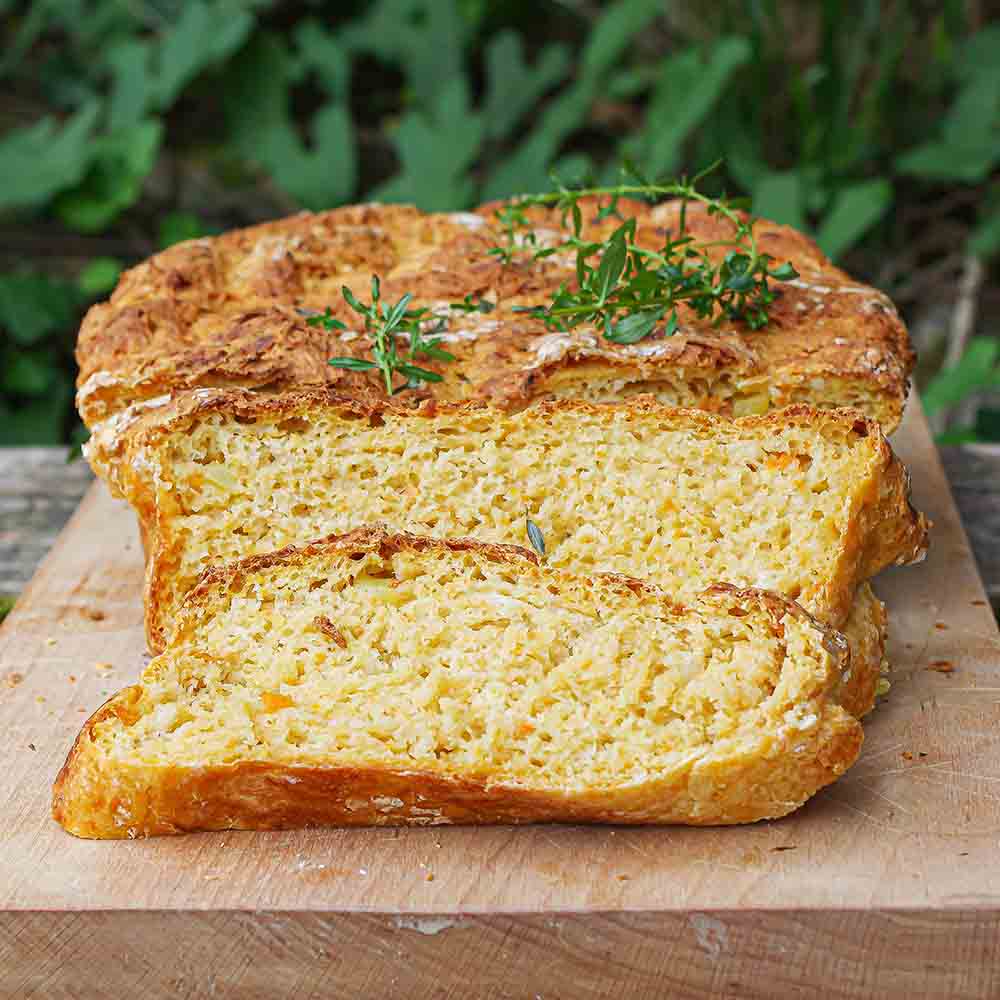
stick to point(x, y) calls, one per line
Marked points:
point(866, 631)
point(380, 678)
point(805, 502)
point(232, 310)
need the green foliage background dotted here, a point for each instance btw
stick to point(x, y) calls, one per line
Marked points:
point(127, 126)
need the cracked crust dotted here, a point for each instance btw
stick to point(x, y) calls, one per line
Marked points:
point(756, 774)
point(225, 312)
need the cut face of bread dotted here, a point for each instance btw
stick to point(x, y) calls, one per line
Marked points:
point(865, 631)
point(807, 503)
point(233, 311)
point(390, 679)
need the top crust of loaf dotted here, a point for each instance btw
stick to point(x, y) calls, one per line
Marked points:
point(228, 311)
point(783, 744)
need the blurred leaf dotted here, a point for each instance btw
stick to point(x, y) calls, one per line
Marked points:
point(132, 88)
point(513, 86)
point(973, 373)
point(610, 35)
point(205, 33)
point(99, 277)
point(41, 421)
point(176, 227)
point(629, 83)
point(425, 37)
point(27, 373)
point(980, 52)
point(855, 210)
point(324, 54)
point(969, 145)
point(778, 196)
point(985, 238)
point(33, 306)
point(958, 435)
point(122, 162)
point(527, 168)
point(41, 160)
point(256, 104)
point(690, 84)
point(988, 423)
point(436, 150)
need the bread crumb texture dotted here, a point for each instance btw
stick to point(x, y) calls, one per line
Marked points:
point(805, 503)
point(473, 685)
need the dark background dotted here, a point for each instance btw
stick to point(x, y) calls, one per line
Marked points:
point(126, 126)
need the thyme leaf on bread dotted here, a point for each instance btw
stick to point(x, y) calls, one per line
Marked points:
point(383, 324)
point(628, 291)
point(535, 535)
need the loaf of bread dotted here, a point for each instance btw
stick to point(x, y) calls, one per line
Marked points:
point(381, 678)
point(809, 503)
point(233, 311)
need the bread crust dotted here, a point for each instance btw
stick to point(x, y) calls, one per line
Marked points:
point(885, 530)
point(232, 311)
point(757, 773)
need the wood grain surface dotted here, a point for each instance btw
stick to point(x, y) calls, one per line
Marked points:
point(887, 884)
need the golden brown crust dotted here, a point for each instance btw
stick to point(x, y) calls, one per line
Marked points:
point(885, 529)
point(228, 311)
point(759, 773)
point(866, 633)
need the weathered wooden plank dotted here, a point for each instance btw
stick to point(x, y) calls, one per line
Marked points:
point(847, 955)
point(39, 490)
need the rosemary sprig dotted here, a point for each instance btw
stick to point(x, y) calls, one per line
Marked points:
point(629, 290)
point(383, 323)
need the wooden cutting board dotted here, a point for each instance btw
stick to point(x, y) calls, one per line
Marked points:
point(886, 884)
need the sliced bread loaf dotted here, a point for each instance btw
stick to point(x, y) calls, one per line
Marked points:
point(381, 678)
point(805, 502)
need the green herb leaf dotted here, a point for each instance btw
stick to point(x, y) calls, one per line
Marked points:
point(535, 536)
point(634, 327)
point(612, 264)
point(633, 287)
point(352, 364)
point(412, 371)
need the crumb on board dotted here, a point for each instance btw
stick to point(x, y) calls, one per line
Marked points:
point(906, 755)
point(13, 679)
point(95, 614)
point(104, 666)
point(785, 847)
point(940, 626)
point(50, 641)
point(941, 666)
point(72, 678)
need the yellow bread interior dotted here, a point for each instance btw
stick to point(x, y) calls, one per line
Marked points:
point(470, 663)
point(807, 504)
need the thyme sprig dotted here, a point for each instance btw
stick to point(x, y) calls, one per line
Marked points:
point(628, 290)
point(472, 303)
point(383, 324)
